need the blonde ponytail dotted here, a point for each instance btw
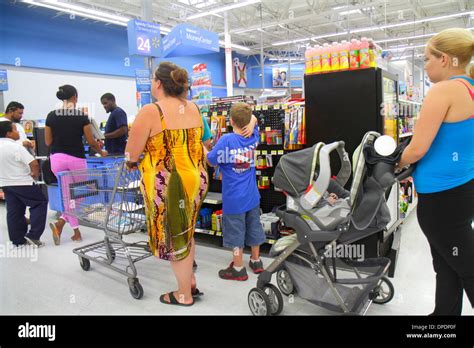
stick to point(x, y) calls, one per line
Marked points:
point(457, 43)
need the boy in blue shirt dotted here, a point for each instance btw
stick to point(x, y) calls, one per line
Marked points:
point(234, 154)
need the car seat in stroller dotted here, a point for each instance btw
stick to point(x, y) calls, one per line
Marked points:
point(307, 262)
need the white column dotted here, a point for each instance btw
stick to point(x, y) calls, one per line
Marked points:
point(228, 58)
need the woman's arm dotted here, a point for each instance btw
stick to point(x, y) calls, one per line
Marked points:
point(140, 132)
point(88, 133)
point(48, 136)
point(432, 114)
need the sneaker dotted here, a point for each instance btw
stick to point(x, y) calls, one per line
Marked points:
point(256, 266)
point(231, 273)
point(36, 243)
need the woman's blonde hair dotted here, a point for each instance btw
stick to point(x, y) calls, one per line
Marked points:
point(457, 43)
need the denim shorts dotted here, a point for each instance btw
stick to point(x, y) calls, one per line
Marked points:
point(243, 229)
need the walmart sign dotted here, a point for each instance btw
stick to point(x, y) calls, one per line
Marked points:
point(188, 40)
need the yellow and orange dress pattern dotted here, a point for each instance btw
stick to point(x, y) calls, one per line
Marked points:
point(174, 184)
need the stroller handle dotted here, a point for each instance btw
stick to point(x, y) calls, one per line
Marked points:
point(406, 173)
point(320, 185)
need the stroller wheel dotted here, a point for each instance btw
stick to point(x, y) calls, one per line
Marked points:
point(259, 303)
point(384, 291)
point(275, 298)
point(284, 282)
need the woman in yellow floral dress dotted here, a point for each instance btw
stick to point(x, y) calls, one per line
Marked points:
point(174, 176)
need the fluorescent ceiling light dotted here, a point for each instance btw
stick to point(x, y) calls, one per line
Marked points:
point(402, 48)
point(76, 13)
point(406, 38)
point(240, 47)
point(362, 30)
point(223, 9)
point(252, 29)
point(86, 12)
point(346, 13)
point(286, 59)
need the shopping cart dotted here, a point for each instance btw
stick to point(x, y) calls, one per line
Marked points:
point(108, 198)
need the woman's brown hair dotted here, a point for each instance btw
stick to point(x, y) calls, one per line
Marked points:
point(174, 79)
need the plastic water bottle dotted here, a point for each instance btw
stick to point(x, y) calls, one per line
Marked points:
point(372, 55)
point(335, 49)
point(308, 60)
point(344, 55)
point(325, 58)
point(354, 54)
point(316, 59)
point(364, 55)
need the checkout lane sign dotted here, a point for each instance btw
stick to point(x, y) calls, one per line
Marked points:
point(3, 80)
point(144, 38)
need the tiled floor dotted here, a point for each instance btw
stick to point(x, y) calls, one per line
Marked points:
point(56, 284)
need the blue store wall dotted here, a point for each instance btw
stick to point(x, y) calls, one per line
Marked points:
point(38, 40)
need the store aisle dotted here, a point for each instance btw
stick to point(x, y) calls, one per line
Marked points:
point(55, 283)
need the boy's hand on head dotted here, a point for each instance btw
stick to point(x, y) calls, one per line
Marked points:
point(247, 131)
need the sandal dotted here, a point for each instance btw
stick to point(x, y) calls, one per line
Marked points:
point(174, 301)
point(56, 234)
point(196, 293)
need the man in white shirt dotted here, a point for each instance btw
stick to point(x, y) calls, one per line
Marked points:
point(14, 113)
point(18, 172)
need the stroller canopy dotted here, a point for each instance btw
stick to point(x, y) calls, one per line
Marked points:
point(295, 171)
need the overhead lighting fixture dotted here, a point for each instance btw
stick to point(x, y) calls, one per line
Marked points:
point(253, 29)
point(239, 47)
point(406, 38)
point(99, 16)
point(388, 26)
point(403, 48)
point(223, 9)
point(86, 12)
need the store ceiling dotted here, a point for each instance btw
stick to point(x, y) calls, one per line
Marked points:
point(278, 21)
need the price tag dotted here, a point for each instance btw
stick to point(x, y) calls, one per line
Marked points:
point(224, 113)
point(214, 113)
point(281, 152)
point(264, 152)
point(265, 107)
point(276, 106)
point(258, 172)
point(218, 233)
point(257, 107)
point(273, 152)
point(284, 106)
point(204, 114)
point(268, 129)
point(257, 152)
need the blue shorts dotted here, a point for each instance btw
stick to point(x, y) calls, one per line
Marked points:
point(243, 229)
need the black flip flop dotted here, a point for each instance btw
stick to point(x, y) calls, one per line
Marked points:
point(196, 293)
point(174, 301)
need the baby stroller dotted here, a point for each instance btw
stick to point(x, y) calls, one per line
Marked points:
point(318, 262)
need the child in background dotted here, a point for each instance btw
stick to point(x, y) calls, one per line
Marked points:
point(234, 154)
point(18, 173)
